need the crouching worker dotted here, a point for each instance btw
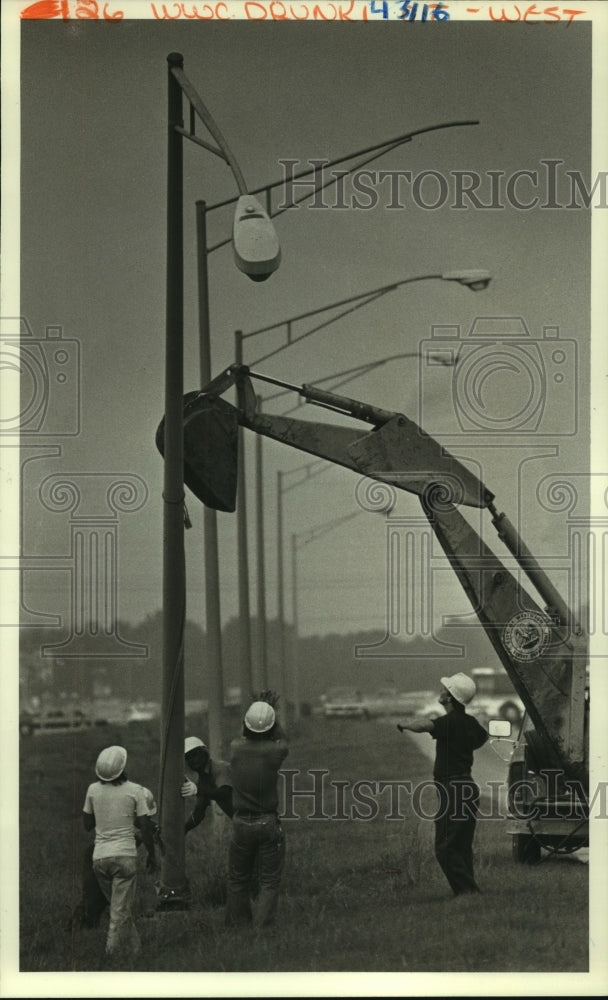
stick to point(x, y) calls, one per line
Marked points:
point(210, 781)
point(457, 736)
point(114, 806)
point(257, 844)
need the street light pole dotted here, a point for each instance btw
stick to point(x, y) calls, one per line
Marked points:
point(261, 566)
point(215, 682)
point(174, 888)
point(281, 489)
point(257, 254)
point(295, 645)
point(280, 587)
point(245, 670)
point(304, 538)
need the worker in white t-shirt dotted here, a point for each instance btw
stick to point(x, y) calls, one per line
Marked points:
point(114, 806)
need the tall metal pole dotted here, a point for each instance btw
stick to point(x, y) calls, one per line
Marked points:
point(214, 672)
point(243, 559)
point(280, 587)
point(173, 878)
point(295, 645)
point(261, 565)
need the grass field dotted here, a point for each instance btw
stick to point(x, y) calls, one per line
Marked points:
point(358, 895)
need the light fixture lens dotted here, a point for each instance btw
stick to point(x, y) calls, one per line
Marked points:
point(476, 280)
point(256, 245)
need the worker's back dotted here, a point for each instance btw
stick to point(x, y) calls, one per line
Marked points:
point(255, 764)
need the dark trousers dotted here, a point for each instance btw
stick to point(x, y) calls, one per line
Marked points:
point(454, 832)
point(257, 845)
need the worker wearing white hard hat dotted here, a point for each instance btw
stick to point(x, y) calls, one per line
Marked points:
point(113, 807)
point(257, 837)
point(92, 902)
point(457, 735)
point(206, 777)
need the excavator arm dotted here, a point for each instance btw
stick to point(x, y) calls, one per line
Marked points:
point(376, 451)
point(540, 649)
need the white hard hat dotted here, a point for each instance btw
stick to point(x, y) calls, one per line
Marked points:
point(111, 763)
point(259, 717)
point(461, 687)
point(192, 742)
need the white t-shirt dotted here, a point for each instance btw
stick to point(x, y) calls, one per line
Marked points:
point(115, 808)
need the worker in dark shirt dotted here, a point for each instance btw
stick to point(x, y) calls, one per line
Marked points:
point(457, 736)
point(257, 845)
point(207, 778)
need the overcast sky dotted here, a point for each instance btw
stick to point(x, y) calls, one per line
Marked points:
point(92, 263)
point(93, 233)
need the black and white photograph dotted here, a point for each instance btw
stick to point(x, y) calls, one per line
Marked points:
point(304, 499)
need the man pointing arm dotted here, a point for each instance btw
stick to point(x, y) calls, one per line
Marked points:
point(457, 736)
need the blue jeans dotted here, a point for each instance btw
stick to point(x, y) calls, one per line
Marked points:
point(255, 840)
point(116, 877)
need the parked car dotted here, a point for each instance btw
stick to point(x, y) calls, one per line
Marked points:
point(53, 720)
point(344, 703)
point(143, 711)
point(496, 697)
point(407, 704)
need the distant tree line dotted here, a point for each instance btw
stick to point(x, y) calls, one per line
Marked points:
point(364, 660)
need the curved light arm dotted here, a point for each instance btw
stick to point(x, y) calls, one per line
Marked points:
point(378, 150)
point(476, 280)
point(208, 121)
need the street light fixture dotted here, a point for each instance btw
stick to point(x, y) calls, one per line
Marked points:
point(256, 246)
point(257, 255)
point(476, 280)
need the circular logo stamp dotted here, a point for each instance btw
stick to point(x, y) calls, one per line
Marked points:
point(527, 635)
